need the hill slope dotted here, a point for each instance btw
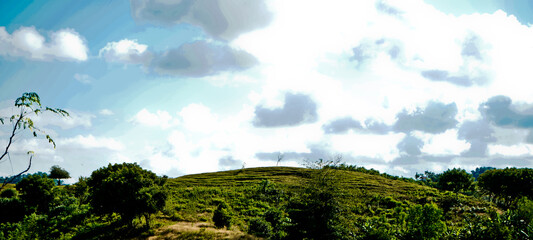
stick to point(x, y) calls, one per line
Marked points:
point(251, 192)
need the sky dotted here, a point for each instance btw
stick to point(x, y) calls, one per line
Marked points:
point(183, 87)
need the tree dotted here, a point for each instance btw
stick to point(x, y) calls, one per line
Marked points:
point(424, 222)
point(29, 105)
point(222, 216)
point(58, 173)
point(36, 192)
point(128, 190)
point(455, 180)
point(480, 170)
point(508, 184)
point(316, 211)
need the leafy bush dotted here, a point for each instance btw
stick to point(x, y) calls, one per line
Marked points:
point(36, 192)
point(424, 222)
point(260, 227)
point(222, 216)
point(9, 193)
point(128, 190)
point(508, 184)
point(455, 180)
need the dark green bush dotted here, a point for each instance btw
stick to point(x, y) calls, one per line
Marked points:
point(9, 193)
point(222, 216)
point(260, 227)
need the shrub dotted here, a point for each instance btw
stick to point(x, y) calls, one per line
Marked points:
point(222, 216)
point(260, 227)
point(128, 190)
point(9, 193)
point(36, 192)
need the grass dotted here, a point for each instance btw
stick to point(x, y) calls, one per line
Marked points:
point(193, 198)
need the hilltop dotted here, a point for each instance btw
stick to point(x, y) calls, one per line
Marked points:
point(250, 193)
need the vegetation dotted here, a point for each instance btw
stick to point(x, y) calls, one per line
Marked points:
point(455, 180)
point(128, 190)
point(58, 173)
point(29, 105)
point(320, 202)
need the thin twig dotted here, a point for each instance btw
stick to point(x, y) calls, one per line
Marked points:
point(18, 175)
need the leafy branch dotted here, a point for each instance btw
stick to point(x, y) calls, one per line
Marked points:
point(30, 106)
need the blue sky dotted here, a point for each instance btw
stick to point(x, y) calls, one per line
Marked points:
point(184, 87)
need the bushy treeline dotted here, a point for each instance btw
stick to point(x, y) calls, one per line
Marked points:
point(117, 202)
point(17, 179)
point(107, 205)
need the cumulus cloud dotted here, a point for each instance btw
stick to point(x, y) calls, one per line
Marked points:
point(202, 58)
point(437, 117)
point(27, 42)
point(444, 76)
point(158, 119)
point(345, 124)
point(196, 59)
point(478, 134)
point(229, 162)
point(386, 7)
point(297, 109)
point(342, 125)
point(499, 111)
point(472, 71)
point(83, 78)
point(106, 112)
point(75, 119)
point(126, 51)
point(370, 49)
point(219, 18)
point(410, 145)
point(90, 142)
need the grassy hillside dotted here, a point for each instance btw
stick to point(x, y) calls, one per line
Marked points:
point(250, 193)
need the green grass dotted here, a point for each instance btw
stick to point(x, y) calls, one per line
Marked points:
point(193, 198)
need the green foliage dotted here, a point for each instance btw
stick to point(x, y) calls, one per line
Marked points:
point(260, 227)
point(81, 190)
point(455, 180)
point(316, 211)
point(480, 170)
point(9, 193)
point(12, 210)
point(424, 222)
point(58, 173)
point(36, 192)
point(222, 216)
point(128, 190)
point(371, 171)
point(524, 210)
point(29, 105)
point(508, 184)
point(428, 178)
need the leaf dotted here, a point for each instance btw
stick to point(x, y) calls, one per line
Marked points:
point(50, 140)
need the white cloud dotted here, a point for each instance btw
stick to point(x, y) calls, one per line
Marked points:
point(198, 118)
point(443, 144)
point(91, 142)
point(74, 120)
point(514, 150)
point(106, 112)
point(126, 51)
point(159, 119)
point(83, 78)
point(27, 42)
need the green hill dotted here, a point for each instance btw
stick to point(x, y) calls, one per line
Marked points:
point(365, 199)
